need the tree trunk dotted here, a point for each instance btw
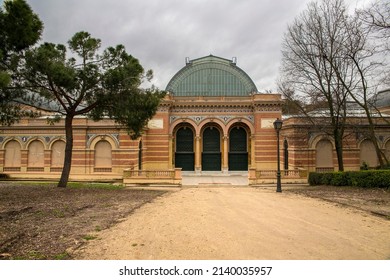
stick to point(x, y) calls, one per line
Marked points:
point(372, 136)
point(68, 152)
point(338, 141)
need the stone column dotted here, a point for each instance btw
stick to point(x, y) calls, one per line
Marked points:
point(225, 154)
point(198, 155)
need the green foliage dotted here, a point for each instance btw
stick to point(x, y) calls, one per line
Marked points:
point(78, 79)
point(20, 29)
point(364, 166)
point(314, 178)
point(339, 179)
point(364, 179)
point(106, 84)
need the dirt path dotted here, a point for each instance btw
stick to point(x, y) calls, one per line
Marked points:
point(242, 223)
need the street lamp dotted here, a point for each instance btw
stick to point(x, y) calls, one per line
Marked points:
point(278, 126)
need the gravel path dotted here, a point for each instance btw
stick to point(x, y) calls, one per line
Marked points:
point(242, 223)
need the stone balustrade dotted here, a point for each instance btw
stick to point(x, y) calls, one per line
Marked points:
point(152, 177)
point(269, 176)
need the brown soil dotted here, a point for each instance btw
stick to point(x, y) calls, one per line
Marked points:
point(374, 201)
point(45, 222)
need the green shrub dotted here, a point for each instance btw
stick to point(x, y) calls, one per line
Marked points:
point(364, 178)
point(315, 178)
point(340, 179)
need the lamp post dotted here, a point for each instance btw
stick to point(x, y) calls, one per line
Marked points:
point(278, 126)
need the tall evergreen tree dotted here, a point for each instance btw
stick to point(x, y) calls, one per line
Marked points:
point(20, 29)
point(87, 83)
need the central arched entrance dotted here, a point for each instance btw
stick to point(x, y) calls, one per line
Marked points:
point(238, 149)
point(211, 152)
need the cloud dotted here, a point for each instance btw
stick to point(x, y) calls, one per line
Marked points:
point(161, 34)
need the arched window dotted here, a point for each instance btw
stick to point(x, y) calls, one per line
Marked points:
point(211, 154)
point(324, 156)
point(103, 158)
point(285, 152)
point(36, 156)
point(184, 154)
point(12, 157)
point(238, 149)
point(368, 154)
point(57, 155)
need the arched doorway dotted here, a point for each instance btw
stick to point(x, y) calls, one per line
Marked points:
point(368, 154)
point(211, 152)
point(36, 156)
point(103, 156)
point(184, 155)
point(12, 157)
point(238, 149)
point(324, 156)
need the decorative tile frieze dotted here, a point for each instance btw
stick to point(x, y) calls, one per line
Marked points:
point(224, 118)
point(211, 109)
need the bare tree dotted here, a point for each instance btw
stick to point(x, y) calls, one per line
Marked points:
point(376, 18)
point(360, 73)
point(310, 48)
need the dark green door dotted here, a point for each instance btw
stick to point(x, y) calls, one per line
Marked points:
point(184, 155)
point(238, 151)
point(211, 155)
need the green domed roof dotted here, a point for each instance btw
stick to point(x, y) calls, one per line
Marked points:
point(211, 76)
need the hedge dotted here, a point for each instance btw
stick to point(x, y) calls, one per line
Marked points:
point(364, 179)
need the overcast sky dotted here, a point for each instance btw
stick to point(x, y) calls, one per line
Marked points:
point(162, 33)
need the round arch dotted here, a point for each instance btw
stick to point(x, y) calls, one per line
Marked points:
point(53, 141)
point(98, 138)
point(8, 139)
point(177, 124)
point(36, 138)
point(239, 121)
point(212, 122)
point(313, 142)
